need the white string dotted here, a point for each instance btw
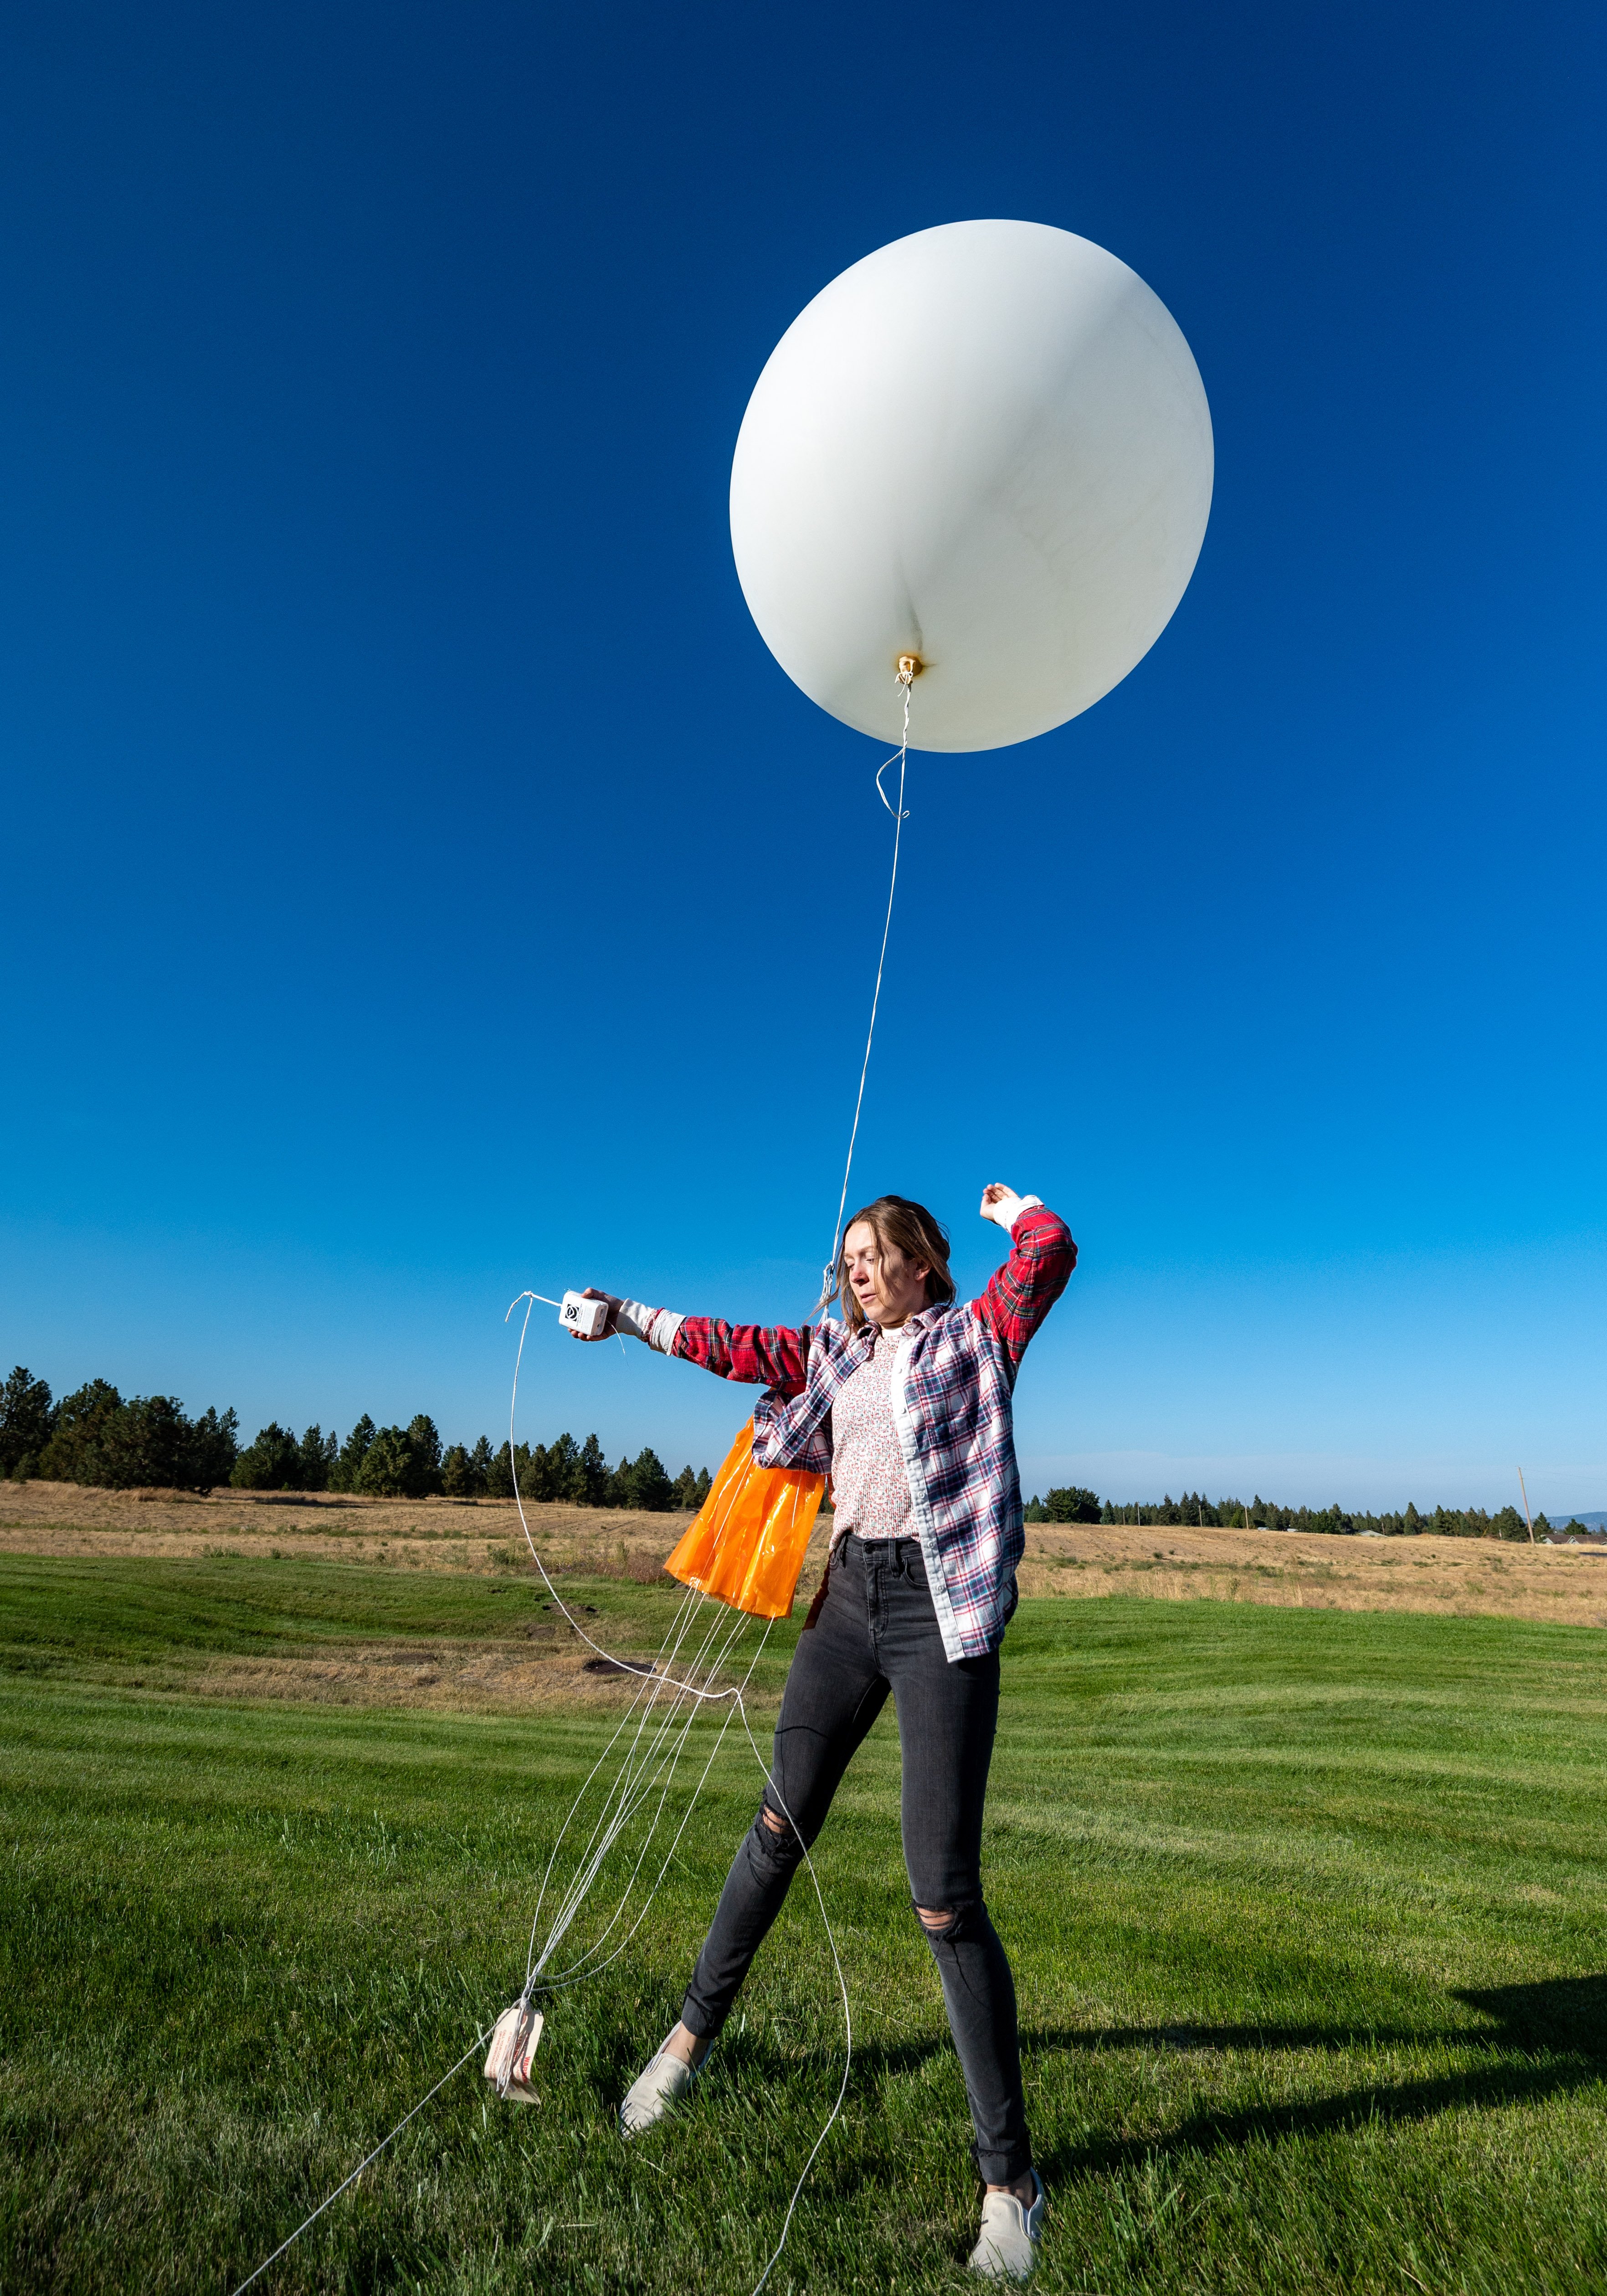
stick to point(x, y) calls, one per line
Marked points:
point(626, 1802)
point(625, 1666)
point(738, 1705)
point(829, 1281)
point(471, 2051)
point(640, 1774)
point(628, 1793)
point(580, 1970)
point(671, 1641)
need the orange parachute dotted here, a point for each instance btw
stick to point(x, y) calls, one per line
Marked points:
point(746, 1546)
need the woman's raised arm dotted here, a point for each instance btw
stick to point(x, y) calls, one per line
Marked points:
point(1042, 1257)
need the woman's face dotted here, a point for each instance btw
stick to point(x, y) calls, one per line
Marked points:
point(890, 1289)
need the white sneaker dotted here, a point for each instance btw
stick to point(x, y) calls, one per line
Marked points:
point(1008, 2248)
point(657, 2089)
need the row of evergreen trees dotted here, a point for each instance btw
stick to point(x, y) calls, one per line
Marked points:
point(409, 1463)
point(1193, 1509)
point(93, 1436)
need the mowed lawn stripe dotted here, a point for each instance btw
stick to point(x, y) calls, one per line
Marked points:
point(61, 1607)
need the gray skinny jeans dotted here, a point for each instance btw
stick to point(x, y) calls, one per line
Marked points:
point(877, 1632)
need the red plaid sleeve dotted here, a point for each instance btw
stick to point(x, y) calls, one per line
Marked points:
point(751, 1352)
point(1020, 1293)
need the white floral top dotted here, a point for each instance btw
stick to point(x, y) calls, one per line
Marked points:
point(868, 1477)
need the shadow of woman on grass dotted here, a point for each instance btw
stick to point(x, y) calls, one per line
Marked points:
point(1541, 2040)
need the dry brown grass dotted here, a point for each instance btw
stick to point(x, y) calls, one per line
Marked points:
point(417, 1534)
point(1455, 1576)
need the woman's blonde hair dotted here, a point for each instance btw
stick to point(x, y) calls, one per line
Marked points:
point(902, 1226)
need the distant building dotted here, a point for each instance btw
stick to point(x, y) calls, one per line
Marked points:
point(1577, 1534)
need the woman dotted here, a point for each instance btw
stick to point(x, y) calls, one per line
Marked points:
point(905, 1404)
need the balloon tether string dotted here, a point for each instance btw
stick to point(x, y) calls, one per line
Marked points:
point(908, 670)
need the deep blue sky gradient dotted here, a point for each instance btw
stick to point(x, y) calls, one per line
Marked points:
point(420, 880)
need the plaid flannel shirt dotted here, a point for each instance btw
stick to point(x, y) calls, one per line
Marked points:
point(953, 1378)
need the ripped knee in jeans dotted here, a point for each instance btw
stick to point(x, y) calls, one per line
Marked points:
point(774, 1838)
point(951, 1924)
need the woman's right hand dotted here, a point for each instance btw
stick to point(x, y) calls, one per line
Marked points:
point(607, 1331)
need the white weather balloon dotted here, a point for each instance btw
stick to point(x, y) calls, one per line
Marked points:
point(987, 445)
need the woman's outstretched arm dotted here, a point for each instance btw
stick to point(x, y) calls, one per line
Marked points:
point(760, 1354)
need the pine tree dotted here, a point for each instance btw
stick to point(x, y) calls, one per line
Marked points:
point(692, 1489)
point(273, 1463)
point(589, 1479)
point(499, 1476)
point(211, 1450)
point(316, 1459)
point(650, 1487)
point(139, 1445)
point(1073, 1505)
point(74, 1452)
point(387, 1465)
point(554, 1477)
point(424, 1443)
point(463, 1473)
point(354, 1451)
point(26, 1420)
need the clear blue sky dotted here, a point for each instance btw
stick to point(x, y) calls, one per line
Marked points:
point(420, 882)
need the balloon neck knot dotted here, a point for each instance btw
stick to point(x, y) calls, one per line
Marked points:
point(910, 667)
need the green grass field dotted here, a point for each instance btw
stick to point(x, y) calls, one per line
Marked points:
point(1307, 1911)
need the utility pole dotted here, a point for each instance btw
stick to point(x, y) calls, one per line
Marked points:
point(1528, 1518)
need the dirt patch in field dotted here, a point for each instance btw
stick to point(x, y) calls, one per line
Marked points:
point(449, 1676)
point(1455, 1578)
point(454, 1677)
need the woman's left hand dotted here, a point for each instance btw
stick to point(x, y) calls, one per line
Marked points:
point(1002, 1206)
point(590, 1339)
